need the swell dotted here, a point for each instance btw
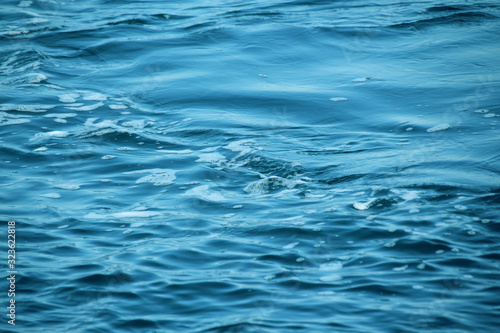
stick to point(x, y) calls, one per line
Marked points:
point(463, 18)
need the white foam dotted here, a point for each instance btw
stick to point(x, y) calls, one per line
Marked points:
point(361, 79)
point(29, 79)
point(25, 3)
point(268, 184)
point(108, 157)
point(331, 266)
point(52, 134)
point(68, 98)
point(440, 127)
point(338, 99)
point(203, 192)
point(51, 195)
point(87, 108)
point(26, 108)
point(135, 123)
point(185, 151)
point(209, 149)
point(411, 195)
point(238, 145)
point(391, 243)
point(290, 246)
point(120, 215)
point(57, 134)
point(365, 205)
point(135, 214)
point(489, 115)
point(60, 115)
point(159, 177)
point(483, 111)
point(331, 278)
point(210, 158)
point(400, 269)
point(126, 148)
point(5, 122)
point(117, 106)
point(71, 187)
point(94, 96)
point(40, 149)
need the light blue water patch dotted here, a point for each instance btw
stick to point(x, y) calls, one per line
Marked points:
point(251, 166)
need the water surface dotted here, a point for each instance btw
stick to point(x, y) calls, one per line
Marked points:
point(252, 166)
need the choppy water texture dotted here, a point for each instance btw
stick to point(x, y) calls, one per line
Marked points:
point(251, 166)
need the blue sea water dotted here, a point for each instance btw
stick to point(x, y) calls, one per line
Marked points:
point(251, 166)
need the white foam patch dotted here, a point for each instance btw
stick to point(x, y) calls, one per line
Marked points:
point(209, 149)
point(400, 269)
point(159, 177)
point(60, 115)
point(94, 96)
point(210, 158)
point(68, 98)
point(103, 124)
point(29, 79)
point(70, 187)
point(411, 195)
point(108, 157)
point(126, 148)
point(266, 185)
point(135, 214)
point(118, 107)
point(51, 195)
point(290, 246)
point(5, 122)
point(240, 145)
point(203, 192)
point(338, 99)
point(185, 151)
point(331, 266)
point(121, 215)
point(52, 134)
point(40, 149)
point(361, 79)
point(363, 205)
point(25, 3)
point(440, 127)
point(331, 278)
point(86, 108)
point(135, 123)
point(26, 108)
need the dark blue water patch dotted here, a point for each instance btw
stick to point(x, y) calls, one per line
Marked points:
point(459, 19)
